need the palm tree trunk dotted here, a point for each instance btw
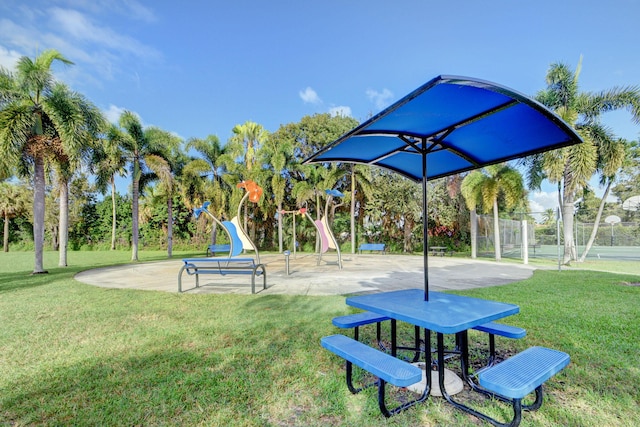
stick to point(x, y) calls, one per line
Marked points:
point(567, 227)
point(474, 234)
point(594, 232)
point(170, 226)
point(134, 219)
point(408, 232)
point(38, 213)
point(63, 222)
point(6, 232)
point(280, 238)
point(113, 213)
point(496, 231)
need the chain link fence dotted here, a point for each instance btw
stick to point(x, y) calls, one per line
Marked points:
point(620, 240)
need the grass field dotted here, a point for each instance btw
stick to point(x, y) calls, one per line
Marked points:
point(73, 354)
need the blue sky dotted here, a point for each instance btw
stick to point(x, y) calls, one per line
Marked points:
point(197, 68)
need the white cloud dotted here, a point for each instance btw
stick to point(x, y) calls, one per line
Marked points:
point(540, 202)
point(309, 96)
point(380, 99)
point(8, 58)
point(80, 27)
point(131, 9)
point(113, 113)
point(341, 110)
point(81, 36)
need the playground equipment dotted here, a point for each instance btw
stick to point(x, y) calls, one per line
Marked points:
point(327, 239)
point(238, 239)
point(295, 212)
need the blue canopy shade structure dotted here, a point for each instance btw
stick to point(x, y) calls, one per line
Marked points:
point(450, 125)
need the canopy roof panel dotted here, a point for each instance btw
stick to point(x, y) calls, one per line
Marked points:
point(454, 124)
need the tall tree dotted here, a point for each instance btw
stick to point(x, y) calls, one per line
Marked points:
point(108, 161)
point(80, 126)
point(138, 148)
point(487, 185)
point(36, 125)
point(196, 189)
point(572, 167)
point(277, 156)
point(166, 169)
point(612, 155)
point(361, 189)
point(472, 194)
point(13, 203)
point(248, 137)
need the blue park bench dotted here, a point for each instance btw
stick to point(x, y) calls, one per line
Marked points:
point(223, 266)
point(373, 247)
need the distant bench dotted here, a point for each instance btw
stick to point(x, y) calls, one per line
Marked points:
point(377, 247)
point(212, 250)
point(439, 250)
point(223, 266)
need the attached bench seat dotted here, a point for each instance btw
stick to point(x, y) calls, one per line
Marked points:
point(373, 247)
point(493, 329)
point(522, 374)
point(223, 266)
point(359, 319)
point(387, 368)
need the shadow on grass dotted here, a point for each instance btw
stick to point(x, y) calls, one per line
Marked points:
point(25, 280)
point(161, 387)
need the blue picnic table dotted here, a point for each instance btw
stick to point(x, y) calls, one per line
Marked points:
point(442, 313)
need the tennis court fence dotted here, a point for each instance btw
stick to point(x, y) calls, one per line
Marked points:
point(621, 240)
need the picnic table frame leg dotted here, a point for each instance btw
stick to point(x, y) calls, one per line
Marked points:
point(427, 389)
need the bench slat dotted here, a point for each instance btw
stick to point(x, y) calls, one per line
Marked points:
point(507, 331)
point(523, 373)
point(382, 365)
point(357, 319)
point(215, 259)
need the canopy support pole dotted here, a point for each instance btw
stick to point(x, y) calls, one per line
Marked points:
point(425, 225)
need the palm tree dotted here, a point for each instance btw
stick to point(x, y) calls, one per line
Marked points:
point(36, 125)
point(196, 189)
point(248, 137)
point(613, 156)
point(471, 189)
point(487, 185)
point(138, 148)
point(166, 167)
point(84, 121)
point(361, 190)
point(572, 168)
point(109, 161)
point(277, 155)
point(548, 216)
point(13, 203)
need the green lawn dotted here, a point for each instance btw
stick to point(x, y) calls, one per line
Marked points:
point(73, 354)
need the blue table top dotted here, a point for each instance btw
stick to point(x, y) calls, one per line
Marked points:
point(444, 313)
